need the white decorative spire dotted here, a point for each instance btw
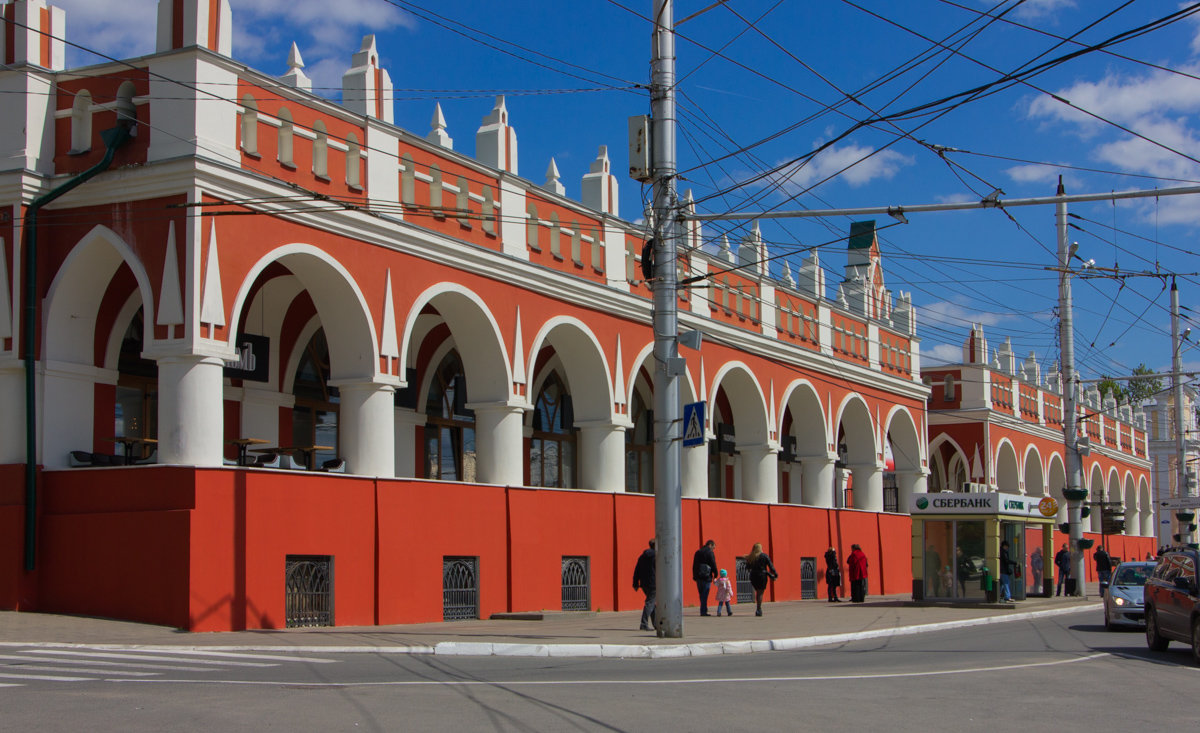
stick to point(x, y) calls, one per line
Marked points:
point(6, 330)
point(205, 23)
point(437, 133)
point(518, 358)
point(553, 184)
point(364, 91)
point(599, 185)
point(389, 346)
point(619, 388)
point(295, 76)
point(212, 303)
point(725, 253)
point(496, 141)
point(787, 275)
point(170, 298)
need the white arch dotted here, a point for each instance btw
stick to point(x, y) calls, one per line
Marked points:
point(751, 424)
point(340, 304)
point(801, 394)
point(78, 289)
point(583, 361)
point(899, 416)
point(848, 408)
point(476, 334)
point(1006, 469)
point(1034, 471)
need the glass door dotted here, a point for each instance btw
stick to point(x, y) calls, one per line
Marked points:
point(1014, 534)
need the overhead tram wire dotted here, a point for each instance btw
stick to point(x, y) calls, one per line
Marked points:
point(937, 108)
point(1048, 34)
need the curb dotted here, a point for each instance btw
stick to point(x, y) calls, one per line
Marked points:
point(608, 651)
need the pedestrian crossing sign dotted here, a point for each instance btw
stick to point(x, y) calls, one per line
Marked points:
point(693, 424)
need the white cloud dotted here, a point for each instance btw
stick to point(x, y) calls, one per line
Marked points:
point(1123, 99)
point(956, 315)
point(263, 29)
point(942, 354)
point(1041, 8)
point(855, 164)
point(955, 198)
point(1034, 173)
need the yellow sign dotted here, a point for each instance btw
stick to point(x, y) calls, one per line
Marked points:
point(1048, 506)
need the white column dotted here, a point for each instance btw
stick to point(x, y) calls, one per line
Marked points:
point(907, 484)
point(406, 449)
point(816, 487)
point(12, 418)
point(868, 487)
point(366, 428)
point(260, 413)
point(760, 473)
point(65, 420)
point(191, 424)
point(694, 475)
point(601, 456)
point(499, 443)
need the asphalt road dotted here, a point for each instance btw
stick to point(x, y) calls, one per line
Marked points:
point(1060, 673)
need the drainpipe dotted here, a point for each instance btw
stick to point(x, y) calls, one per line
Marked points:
point(113, 139)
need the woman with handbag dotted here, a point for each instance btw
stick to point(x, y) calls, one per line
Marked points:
point(761, 569)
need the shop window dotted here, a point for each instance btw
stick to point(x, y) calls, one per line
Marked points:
point(135, 414)
point(639, 448)
point(315, 415)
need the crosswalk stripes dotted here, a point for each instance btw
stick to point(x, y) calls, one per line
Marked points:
point(84, 664)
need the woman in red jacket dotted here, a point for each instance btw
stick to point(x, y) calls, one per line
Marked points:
point(856, 567)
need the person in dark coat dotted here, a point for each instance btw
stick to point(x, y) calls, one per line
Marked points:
point(1062, 561)
point(1006, 573)
point(833, 575)
point(761, 569)
point(643, 577)
point(856, 569)
point(704, 572)
point(1104, 566)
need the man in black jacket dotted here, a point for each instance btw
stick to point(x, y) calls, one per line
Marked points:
point(643, 577)
point(704, 572)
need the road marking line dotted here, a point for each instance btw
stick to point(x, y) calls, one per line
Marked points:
point(97, 662)
point(134, 657)
point(681, 681)
point(74, 670)
point(48, 678)
point(239, 655)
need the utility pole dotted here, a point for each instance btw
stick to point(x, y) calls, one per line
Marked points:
point(1074, 492)
point(667, 364)
point(1181, 485)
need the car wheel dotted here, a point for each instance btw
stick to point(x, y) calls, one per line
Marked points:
point(1196, 641)
point(1154, 640)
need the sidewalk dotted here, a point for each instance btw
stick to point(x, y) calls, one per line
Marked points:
point(790, 625)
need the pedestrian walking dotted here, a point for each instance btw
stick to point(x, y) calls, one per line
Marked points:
point(643, 577)
point(725, 594)
point(856, 570)
point(1006, 573)
point(704, 572)
point(833, 575)
point(1062, 562)
point(1104, 566)
point(966, 568)
point(761, 569)
point(1036, 567)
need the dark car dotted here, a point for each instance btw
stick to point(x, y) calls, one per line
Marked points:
point(1173, 601)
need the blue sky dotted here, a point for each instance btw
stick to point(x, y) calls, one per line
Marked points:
point(755, 70)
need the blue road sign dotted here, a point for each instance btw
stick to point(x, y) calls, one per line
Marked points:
point(693, 424)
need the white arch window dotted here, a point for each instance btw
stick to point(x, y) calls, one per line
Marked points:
point(81, 122)
point(435, 191)
point(463, 202)
point(125, 105)
point(489, 211)
point(249, 125)
point(948, 388)
point(555, 232)
point(576, 244)
point(597, 252)
point(408, 178)
point(531, 228)
point(320, 150)
point(353, 162)
point(287, 134)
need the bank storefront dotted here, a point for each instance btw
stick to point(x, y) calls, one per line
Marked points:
point(956, 544)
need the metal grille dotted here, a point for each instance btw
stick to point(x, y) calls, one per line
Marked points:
point(576, 584)
point(460, 588)
point(891, 499)
point(808, 578)
point(308, 591)
point(745, 591)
